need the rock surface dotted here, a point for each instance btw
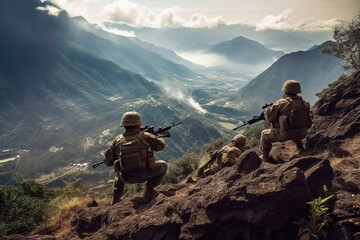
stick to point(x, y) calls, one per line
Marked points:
point(337, 113)
point(252, 200)
point(246, 201)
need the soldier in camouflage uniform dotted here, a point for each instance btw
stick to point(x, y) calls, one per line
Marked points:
point(290, 118)
point(225, 157)
point(132, 156)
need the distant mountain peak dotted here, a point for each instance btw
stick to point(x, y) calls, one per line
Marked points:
point(319, 47)
point(80, 18)
point(244, 50)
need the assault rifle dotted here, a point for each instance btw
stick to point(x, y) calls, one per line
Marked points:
point(213, 157)
point(146, 128)
point(159, 131)
point(254, 118)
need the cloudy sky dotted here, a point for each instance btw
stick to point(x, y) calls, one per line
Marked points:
point(264, 14)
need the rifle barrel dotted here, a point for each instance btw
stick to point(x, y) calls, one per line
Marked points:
point(97, 164)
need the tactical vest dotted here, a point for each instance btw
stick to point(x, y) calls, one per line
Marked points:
point(296, 115)
point(132, 154)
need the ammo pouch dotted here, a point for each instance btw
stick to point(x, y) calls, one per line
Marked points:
point(151, 159)
point(283, 123)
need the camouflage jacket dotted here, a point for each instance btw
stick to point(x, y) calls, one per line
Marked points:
point(227, 158)
point(279, 108)
point(149, 143)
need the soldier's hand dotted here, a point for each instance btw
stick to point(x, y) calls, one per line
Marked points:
point(262, 115)
point(165, 134)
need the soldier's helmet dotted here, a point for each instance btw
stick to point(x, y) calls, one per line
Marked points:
point(130, 119)
point(240, 139)
point(291, 86)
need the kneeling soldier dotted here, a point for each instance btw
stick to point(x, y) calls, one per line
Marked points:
point(132, 155)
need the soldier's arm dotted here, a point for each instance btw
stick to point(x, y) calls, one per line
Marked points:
point(272, 113)
point(110, 154)
point(154, 142)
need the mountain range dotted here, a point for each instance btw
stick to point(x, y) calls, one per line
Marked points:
point(153, 62)
point(64, 84)
point(312, 68)
point(57, 93)
point(190, 39)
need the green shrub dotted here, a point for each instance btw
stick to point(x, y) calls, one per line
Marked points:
point(314, 225)
point(253, 134)
point(24, 206)
point(181, 167)
point(214, 145)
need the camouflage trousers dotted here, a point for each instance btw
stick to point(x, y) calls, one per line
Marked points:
point(268, 136)
point(212, 169)
point(152, 177)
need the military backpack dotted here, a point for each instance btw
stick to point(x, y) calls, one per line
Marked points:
point(132, 156)
point(296, 116)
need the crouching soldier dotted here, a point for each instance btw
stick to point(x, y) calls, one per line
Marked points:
point(132, 155)
point(290, 119)
point(225, 157)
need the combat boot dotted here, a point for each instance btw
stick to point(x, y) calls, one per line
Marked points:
point(116, 197)
point(149, 194)
point(118, 190)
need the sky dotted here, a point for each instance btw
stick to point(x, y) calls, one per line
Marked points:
point(287, 15)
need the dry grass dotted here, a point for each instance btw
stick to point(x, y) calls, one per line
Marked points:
point(64, 208)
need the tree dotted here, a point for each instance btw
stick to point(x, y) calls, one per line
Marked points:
point(347, 43)
point(23, 206)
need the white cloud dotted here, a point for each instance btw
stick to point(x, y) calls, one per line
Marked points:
point(135, 14)
point(275, 22)
point(201, 21)
point(73, 7)
point(318, 25)
point(125, 11)
point(285, 21)
point(118, 31)
point(51, 10)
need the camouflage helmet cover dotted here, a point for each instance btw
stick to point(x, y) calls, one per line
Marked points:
point(239, 138)
point(291, 86)
point(130, 119)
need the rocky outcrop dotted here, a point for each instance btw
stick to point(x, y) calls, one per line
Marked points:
point(252, 200)
point(337, 113)
point(336, 131)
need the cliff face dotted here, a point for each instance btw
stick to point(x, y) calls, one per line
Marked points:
point(337, 114)
point(251, 200)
